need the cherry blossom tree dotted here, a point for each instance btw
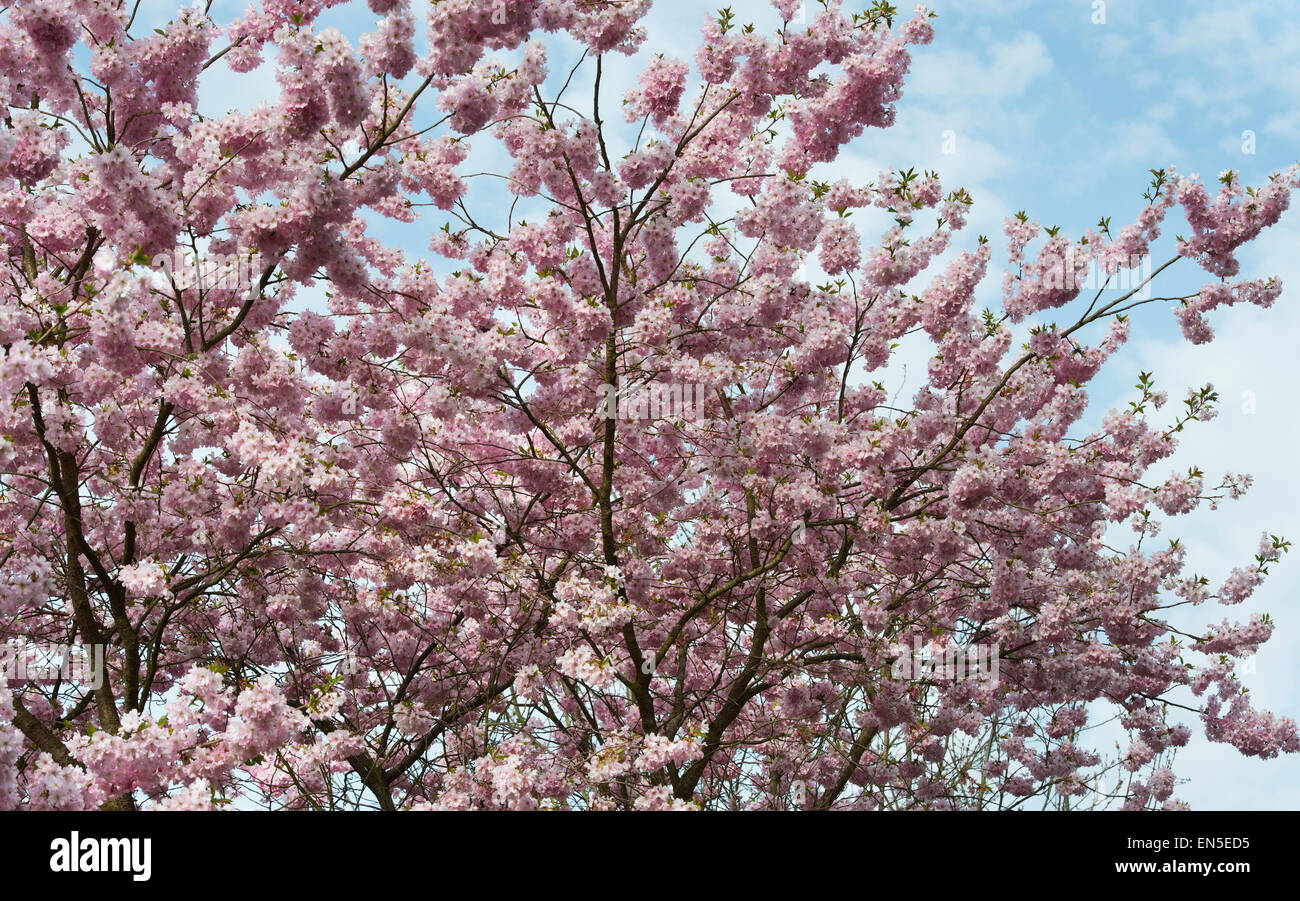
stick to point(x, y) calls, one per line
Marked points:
point(358, 528)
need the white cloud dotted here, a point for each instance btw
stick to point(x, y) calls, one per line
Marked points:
point(1004, 69)
point(1254, 352)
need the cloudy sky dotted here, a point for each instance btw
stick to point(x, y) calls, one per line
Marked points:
point(1059, 108)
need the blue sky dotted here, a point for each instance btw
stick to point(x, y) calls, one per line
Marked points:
point(1059, 108)
point(1061, 117)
